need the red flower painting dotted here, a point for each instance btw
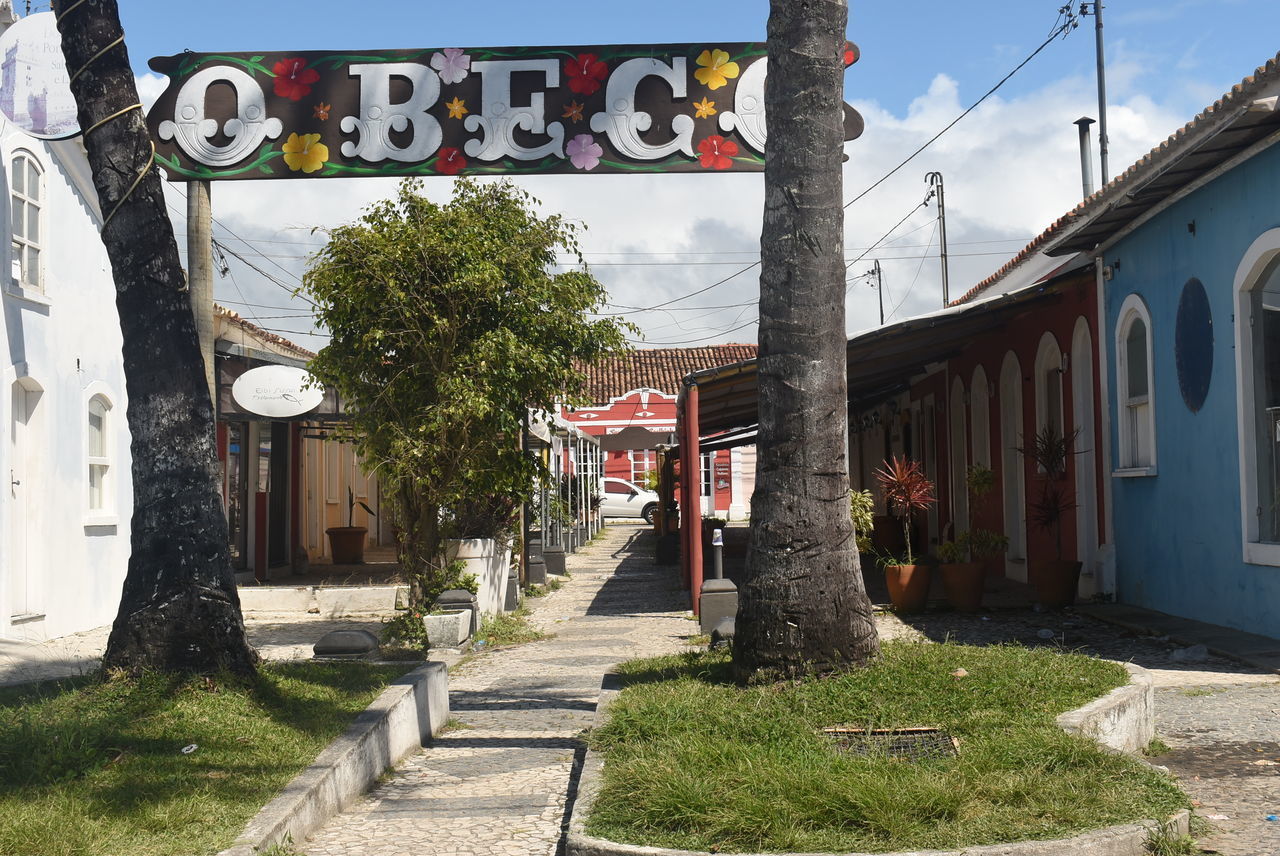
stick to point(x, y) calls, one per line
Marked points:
point(294, 78)
point(850, 53)
point(716, 152)
point(585, 74)
point(449, 161)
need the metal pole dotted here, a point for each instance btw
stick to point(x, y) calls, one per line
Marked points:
point(935, 181)
point(717, 546)
point(200, 274)
point(879, 289)
point(1102, 91)
point(1086, 156)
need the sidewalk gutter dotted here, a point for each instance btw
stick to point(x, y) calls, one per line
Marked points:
point(402, 719)
point(1261, 652)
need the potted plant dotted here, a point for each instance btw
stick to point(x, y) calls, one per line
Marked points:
point(482, 533)
point(1055, 580)
point(962, 576)
point(346, 543)
point(907, 490)
point(984, 545)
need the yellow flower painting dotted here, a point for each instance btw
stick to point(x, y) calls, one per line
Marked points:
point(305, 152)
point(716, 68)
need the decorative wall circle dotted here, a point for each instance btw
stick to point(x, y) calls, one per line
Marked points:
point(1193, 344)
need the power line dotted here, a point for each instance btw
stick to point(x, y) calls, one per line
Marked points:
point(919, 268)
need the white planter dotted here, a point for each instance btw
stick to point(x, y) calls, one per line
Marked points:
point(448, 629)
point(489, 561)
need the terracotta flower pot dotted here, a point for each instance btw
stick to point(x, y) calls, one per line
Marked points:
point(963, 582)
point(1056, 582)
point(346, 544)
point(908, 586)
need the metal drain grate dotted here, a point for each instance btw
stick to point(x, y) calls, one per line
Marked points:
point(908, 744)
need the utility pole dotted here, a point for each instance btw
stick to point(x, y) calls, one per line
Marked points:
point(878, 274)
point(935, 182)
point(200, 275)
point(1102, 85)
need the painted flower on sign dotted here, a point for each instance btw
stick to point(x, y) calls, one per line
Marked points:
point(305, 152)
point(294, 78)
point(715, 152)
point(572, 112)
point(716, 68)
point(850, 53)
point(585, 73)
point(584, 152)
point(449, 161)
point(457, 108)
point(451, 64)
point(321, 111)
point(704, 109)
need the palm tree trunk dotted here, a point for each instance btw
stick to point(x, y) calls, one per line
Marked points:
point(803, 608)
point(179, 610)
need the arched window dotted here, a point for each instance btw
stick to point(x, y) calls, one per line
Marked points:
point(980, 418)
point(1257, 284)
point(958, 458)
point(98, 455)
point(1135, 392)
point(1048, 386)
point(26, 194)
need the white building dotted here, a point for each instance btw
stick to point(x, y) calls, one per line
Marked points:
point(66, 498)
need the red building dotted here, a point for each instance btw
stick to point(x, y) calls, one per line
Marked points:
point(633, 410)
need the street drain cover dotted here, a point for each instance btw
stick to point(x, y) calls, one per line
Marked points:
point(909, 744)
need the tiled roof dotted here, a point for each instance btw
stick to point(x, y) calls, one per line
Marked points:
point(659, 368)
point(1128, 181)
point(271, 338)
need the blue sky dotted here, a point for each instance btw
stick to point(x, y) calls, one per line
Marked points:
point(1011, 167)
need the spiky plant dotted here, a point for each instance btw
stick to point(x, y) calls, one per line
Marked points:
point(907, 490)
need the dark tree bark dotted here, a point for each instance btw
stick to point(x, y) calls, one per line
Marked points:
point(803, 608)
point(179, 610)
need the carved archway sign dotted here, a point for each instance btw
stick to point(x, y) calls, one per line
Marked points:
point(465, 111)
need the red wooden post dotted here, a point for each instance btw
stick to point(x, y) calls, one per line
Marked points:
point(690, 512)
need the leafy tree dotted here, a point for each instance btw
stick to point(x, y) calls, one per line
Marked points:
point(179, 610)
point(447, 325)
point(803, 608)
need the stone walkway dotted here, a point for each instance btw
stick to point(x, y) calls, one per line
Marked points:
point(499, 784)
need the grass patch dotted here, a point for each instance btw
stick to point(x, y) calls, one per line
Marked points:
point(537, 590)
point(97, 768)
point(695, 762)
point(1156, 747)
point(509, 628)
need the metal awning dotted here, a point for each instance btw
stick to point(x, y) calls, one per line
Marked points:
point(878, 363)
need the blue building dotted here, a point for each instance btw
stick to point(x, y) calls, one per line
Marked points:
point(1187, 252)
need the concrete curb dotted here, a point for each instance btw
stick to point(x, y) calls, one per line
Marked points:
point(403, 718)
point(1119, 718)
point(325, 601)
point(1123, 719)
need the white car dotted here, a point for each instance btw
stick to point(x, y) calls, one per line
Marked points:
point(621, 498)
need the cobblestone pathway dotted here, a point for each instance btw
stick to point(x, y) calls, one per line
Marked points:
point(499, 785)
point(1226, 753)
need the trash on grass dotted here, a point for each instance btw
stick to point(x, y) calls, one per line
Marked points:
point(189, 748)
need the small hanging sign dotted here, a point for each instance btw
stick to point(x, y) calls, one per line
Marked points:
point(465, 111)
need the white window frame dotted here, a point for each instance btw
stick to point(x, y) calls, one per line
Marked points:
point(1261, 253)
point(1134, 308)
point(646, 458)
point(106, 514)
point(1049, 359)
point(19, 273)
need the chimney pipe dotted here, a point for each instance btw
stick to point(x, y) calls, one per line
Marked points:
point(1086, 159)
